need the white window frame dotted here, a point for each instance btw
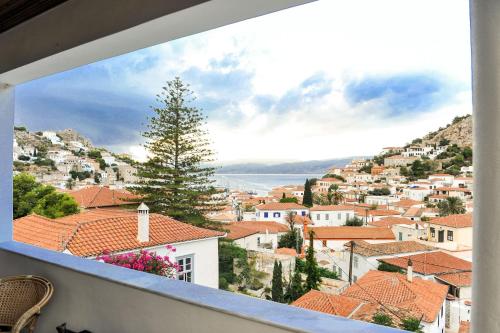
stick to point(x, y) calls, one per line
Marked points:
point(184, 273)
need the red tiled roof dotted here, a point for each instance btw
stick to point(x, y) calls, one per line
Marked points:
point(101, 196)
point(327, 303)
point(242, 229)
point(464, 327)
point(431, 263)
point(287, 251)
point(406, 203)
point(419, 297)
point(380, 249)
point(280, 206)
point(455, 221)
point(453, 189)
point(351, 233)
point(100, 231)
point(388, 222)
point(462, 279)
point(330, 208)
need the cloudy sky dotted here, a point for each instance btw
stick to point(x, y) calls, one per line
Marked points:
point(330, 79)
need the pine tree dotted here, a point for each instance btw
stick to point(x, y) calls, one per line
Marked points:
point(277, 283)
point(175, 181)
point(307, 200)
point(295, 289)
point(311, 267)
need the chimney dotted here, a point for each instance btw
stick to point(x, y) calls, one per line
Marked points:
point(409, 271)
point(143, 223)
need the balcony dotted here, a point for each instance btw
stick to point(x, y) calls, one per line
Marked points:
point(104, 298)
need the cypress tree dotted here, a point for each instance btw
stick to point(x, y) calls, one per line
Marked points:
point(295, 288)
point(311, 267)
point(176, 180)
point(307, 200)
point(277, 283)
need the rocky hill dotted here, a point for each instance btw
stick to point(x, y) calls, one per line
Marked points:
point(459, 132)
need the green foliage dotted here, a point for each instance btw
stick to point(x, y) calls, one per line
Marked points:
point(176, 181)
point(411, 324)
point(94, 154)
point(291, 199)
point(40, 161)
point(228, 252)
point(334, 196)
point(419, 169)
point(277, 283)
point(70, 183)
point(416, 141)
point(307, 200)
point(382, 319)
point(366, 168)
point(97, 178)
point(331, 175)
point(20, 128)
point(380, 191)
point(23, 158)
point(444, 142)
point(30, 196)
point(292, 238)
point(80, 175)
point(450, 206)
point(354, 222)
point(313, 278)
point(295, 289)
point(382, 266)
point(102, 163)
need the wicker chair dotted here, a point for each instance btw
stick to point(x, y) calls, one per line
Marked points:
point(21, 300)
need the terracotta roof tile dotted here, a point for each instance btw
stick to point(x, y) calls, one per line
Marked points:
point(388, 222)
point(280, 206)
point(455, 221)
point(287, 251)
point(327, 303)
point(351, 233)
point(419, 297)
point(101, 196)
point(431, 263)
point(99, 231)
point(462, 279)
point(380, 249)
point(242, 229)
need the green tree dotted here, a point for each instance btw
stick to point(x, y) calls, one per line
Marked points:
point(277, 283)
point(292, 199)
point(295, 289)
point(382, 319)
point(70, 183)
point(451, 206)
point(313, 278)
point(354, 222)
point(30, 196)
point(334, 196)
point(176, 180)
point(411, 324)
point(292, 238)
point(307, 200)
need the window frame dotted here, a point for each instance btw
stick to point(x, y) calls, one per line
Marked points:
point(185, 272)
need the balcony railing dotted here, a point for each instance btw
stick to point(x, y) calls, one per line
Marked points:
point(105, 298)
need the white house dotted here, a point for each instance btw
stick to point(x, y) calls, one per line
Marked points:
point(443, 176)
point(334, 238)
point(417, 193)
point(380, 200)
point(278, 211)
point(366, 255)
point(90, 233)
point(52, 136)
point(256, 235)
point(331, 215)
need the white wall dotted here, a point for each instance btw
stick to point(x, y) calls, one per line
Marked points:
point(331, 218)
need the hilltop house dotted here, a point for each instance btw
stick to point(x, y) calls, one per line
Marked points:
point(90, 233)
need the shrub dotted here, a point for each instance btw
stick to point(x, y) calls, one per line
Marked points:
point(382, 319)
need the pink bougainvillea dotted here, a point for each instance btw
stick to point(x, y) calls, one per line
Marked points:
point(145, 261)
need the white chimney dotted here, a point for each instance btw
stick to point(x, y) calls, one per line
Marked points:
point(143, 223)
point(409, 271)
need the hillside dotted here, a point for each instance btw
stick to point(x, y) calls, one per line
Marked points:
point(459, 132)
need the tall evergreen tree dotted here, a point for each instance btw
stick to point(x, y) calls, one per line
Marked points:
point(311, 267)
point(307, 200)
point(295, 289)
point(277, 283)
point(176, 180)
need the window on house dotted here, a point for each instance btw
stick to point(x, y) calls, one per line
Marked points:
point(258, 241)
point(185, 272)
point(355, 261)
point(355, 278)
point(266, 214)
point(347, 216)
point(318, 217)
point(276, 214)
point(339, 216)
point(303, 213)
point(327, 216)
point(400, 237)
point(450, 235)
point(433, 232)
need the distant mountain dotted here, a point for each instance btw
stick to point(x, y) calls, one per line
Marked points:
point(306, 167)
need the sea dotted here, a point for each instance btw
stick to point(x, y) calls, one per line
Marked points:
point(260, 183)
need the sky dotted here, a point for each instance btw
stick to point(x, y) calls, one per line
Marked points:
point(329, 79)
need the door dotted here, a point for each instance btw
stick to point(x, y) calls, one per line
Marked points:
point(440, 236)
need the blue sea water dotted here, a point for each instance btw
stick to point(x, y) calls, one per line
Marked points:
point(260, 183)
